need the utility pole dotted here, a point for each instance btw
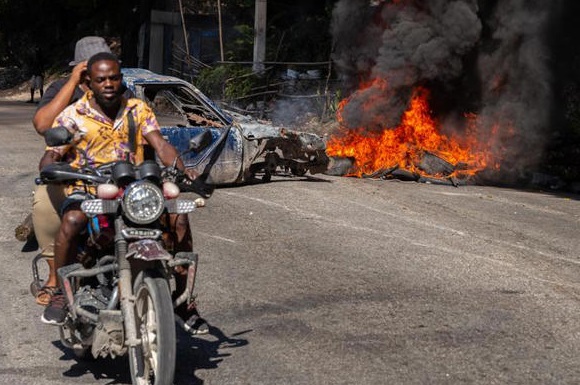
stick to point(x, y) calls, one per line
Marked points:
point(219, 6)
point(260, 36)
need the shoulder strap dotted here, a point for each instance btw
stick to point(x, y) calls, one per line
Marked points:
point(132, 133)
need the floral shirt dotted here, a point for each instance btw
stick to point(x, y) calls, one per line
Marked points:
point(97, 139)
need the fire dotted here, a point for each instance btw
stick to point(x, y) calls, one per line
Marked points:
point(405, 145)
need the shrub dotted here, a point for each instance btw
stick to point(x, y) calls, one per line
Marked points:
point(227, 82)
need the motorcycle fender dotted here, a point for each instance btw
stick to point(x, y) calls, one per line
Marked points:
point(148, 250)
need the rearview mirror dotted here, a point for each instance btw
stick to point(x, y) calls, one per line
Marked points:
point(57, 136)
point(200, 141)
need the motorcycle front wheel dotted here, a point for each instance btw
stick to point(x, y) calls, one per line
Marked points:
point(153, 361)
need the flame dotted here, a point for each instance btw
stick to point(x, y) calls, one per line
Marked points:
point(405, 145)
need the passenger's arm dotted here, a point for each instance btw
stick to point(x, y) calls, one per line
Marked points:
point(46, 114)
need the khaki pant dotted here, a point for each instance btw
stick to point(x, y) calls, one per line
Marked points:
point(45, 215)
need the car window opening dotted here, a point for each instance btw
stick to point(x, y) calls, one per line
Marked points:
point(175, 106)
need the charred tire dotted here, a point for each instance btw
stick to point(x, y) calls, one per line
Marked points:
point(153, 361)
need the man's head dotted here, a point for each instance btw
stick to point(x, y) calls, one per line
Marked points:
point(87, 47)
point(105, 79)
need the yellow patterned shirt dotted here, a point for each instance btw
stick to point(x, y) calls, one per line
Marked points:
point(97, 139)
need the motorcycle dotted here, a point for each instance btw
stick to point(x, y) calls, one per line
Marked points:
point(121, 297)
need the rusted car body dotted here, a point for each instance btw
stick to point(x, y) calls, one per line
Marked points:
point(243, 148)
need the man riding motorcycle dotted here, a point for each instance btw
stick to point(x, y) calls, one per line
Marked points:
point(101, 124)
point(48, 198)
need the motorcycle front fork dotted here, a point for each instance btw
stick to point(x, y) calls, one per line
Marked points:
point(125, 286)
point(127, 298)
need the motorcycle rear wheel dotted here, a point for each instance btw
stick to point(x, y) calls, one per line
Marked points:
point(153, 361)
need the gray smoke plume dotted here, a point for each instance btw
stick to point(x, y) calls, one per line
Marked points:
point(516, 94)
point(408, 43)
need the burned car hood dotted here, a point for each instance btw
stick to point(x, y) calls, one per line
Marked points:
point(253, 129)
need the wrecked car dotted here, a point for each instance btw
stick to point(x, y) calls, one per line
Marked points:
point(242, 148)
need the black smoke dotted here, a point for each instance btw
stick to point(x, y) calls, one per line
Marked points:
point(488, 57)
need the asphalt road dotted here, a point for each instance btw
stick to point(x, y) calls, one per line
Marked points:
point(327, 280)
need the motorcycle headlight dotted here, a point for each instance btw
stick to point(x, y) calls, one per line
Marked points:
point(143, 202)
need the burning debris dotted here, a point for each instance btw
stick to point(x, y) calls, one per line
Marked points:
point(445, 89)
point(436, 170)
point(414, 150)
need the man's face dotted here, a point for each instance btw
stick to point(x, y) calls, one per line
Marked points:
point(105, 81)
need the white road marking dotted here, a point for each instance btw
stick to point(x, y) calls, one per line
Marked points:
point(415, 221)
point(215, 237)
point(414, 242)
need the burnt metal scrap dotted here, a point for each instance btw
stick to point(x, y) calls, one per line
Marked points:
point(246, 148)
point(431, 169)
point(275, 150)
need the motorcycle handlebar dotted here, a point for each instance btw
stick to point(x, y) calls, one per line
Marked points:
point(63, 172)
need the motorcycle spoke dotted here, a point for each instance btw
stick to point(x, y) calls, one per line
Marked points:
point(148, 330)
point(151, 330)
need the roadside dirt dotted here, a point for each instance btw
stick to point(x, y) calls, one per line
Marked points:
point(21, 92)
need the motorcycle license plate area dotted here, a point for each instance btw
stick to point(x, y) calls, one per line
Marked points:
point(148, 250)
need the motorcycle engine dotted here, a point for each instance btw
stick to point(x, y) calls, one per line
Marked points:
point(92, 299)
point(107, 336)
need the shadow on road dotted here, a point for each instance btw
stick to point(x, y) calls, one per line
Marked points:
point(205, 352)
point(117, 370)
point(193, 353)
point(279, 178)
